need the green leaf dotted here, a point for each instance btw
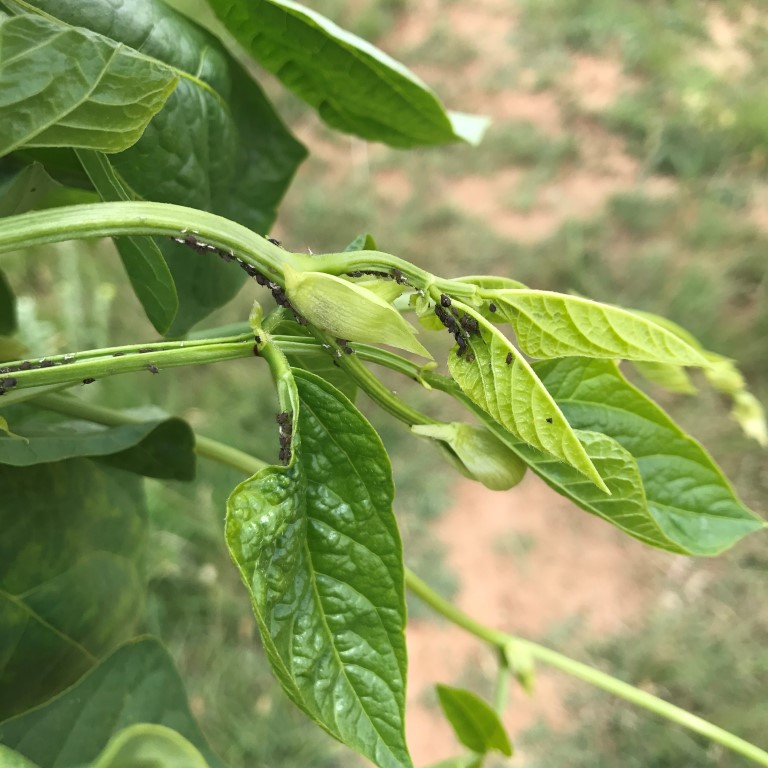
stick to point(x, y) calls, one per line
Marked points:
point(162, 448)
point(474, 721)
point(70, 573)
point(143, 261)
point(69, 87)
point(7, 308)
point(149, 746)
point(318, 548)
point(498, 378)
point(363, 242)
point(549, 325)
point(685, 491)
point(218, 144)
point(23, 188)
point(673, 378)
point(138, 683)
point(10, 758)
point(353, 85)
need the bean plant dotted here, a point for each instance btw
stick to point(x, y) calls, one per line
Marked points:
point(128, 120)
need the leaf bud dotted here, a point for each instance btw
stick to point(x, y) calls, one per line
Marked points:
point(346, 310)
point(477, 453)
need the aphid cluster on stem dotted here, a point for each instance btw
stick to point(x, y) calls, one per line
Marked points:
point(460, 326)
point(8, 383)
point(278, 293)
point(344, 346)
point(394, 274)
point(285, 426)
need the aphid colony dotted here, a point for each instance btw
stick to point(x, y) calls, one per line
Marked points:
point(285, 427)
point(277, 292)
point(460, 326)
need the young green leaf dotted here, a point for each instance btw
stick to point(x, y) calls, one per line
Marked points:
point(673, 378)
point(69, 87)
point(686, 493)
point(318, 548)
point(10, 758)
point(138, 683)
point(477, 453)
point(474, 721)
point(218, 144)
point(144, 263)
point(353, 85)
point(70, 573)
point(162, 448)
point(549, 325)
point(498, 378)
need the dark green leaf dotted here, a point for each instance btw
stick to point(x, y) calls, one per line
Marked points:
point(474, 721)
point(68, 87)
point(7, 308)
point(149, 746)
point(143, 261)
point(70, 564)
point(319, 550)
point(217, 145)
point(23, 188)
point(162, 448)
point(686, 492)
point(353, 85)
point(138, 683)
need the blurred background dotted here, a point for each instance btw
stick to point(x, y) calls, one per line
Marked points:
point(627, 161)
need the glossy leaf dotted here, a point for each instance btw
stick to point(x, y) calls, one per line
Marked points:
point(70, 573)
point(686, 493)
point(353, 85)
point(474, 721)
point(162, 448)
point(138, 683)
point(149, 746)
point(500, 380)
point(549, 325)
point(7, 307)
point(318, 547)
point(143, 261)
point(63, 86)
point(218, 144)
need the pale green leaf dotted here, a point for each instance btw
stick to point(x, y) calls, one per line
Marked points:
point(149, 746)
point(498, 378)
point(549, 325)
point(673, 378)
point(318, 547)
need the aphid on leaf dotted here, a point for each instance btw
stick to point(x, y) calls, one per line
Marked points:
point(89, 380)
point(283, 418)
point(355, 274)
point(257, 339)
point(152, 368)
point(469, 324)
point(509, 359)
point(445, 300)
point(399, 277)
point(144, 350)
point(548, 419)
point(492, 307)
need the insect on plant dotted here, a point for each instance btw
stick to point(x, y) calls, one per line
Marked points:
point(314, 537)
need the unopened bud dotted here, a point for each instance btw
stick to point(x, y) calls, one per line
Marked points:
point(349, 311)
point(477, 453)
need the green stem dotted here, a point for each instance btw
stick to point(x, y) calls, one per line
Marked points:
point(586, 673)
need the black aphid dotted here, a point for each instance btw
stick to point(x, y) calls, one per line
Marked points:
point(445, 300)
point(509, 358)
point(144, 350)
point(46, 364)
point(5, 370)
point(152, 368)
point(354, 274)
point(469, 324)
point(470, 358)
point(275, 242)
point(285, 455)
point(256, 350)
point(257, 339)
point(548, 419)
point(118, 354)
point(283, 418)
point(89, 380)
point(25, 366)
point(492, 307)
point(399, 277)
point(348, 350)
point(9, 382)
